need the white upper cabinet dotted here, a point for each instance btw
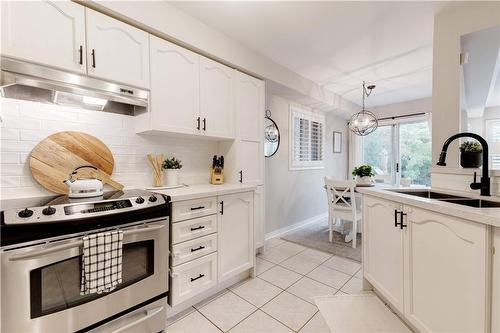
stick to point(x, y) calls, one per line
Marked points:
point(117, 51)
point(235, 234)
point(216, 99)
point(50, 33)
point(383, 249)
point(249, 107)
point(175, 87)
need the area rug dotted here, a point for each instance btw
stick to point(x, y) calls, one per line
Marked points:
point(358, 313)
point(316, 236)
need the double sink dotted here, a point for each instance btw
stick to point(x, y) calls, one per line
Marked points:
point(464, 201)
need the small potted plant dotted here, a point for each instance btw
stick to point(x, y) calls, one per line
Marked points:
point(363, 174)
point(172, 167)
point(471, 154)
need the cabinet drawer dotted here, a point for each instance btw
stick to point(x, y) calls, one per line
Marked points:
point(193, 249)
point(190, 229)
point(183, 210)
point(192, 278)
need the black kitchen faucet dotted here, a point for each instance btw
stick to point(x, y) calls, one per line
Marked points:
point(484, 185)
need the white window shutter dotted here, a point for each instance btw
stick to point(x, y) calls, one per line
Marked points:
point(307, 139)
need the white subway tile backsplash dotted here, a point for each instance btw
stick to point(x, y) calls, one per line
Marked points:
point(23, 123)
point(10, 181)
point(17, 146)
point(9, 158)
point(9, 134)
point(27, 123)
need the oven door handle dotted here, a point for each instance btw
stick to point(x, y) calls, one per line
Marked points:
point(78, 243)
point(149, 314)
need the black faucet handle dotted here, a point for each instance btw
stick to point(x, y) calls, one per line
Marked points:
point(475, 176)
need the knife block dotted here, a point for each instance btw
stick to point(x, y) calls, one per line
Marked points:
point(217, 176)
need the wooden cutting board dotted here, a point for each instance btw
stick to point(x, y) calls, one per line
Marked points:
point(55, 157)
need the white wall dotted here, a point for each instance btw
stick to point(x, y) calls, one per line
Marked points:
point(295, 196)
point(403, 108)
point(166, 21)
point(449, 25)
point(25, 123)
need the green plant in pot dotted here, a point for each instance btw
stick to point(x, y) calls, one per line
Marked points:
point(172, 167)
point(363, 174)
point(471, 154)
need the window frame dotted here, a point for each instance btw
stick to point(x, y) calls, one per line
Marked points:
point(395, 142)
point(311, 116)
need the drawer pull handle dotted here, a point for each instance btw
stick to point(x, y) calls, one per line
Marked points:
point(201, 247)
point(197, 208)
point(198, 277)
point(198, 228)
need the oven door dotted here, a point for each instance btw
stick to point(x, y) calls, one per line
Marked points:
point(40, 287)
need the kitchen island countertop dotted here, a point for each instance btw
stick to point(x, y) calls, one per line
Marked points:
point(490, 216)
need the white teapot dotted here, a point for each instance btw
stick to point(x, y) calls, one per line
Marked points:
point(83, 187)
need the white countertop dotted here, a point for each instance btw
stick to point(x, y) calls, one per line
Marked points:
point(204, 190)
point(490, 216)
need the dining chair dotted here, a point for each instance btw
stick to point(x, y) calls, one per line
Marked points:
point(342, 204)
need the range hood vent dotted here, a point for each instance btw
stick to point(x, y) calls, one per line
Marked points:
point(27, 81)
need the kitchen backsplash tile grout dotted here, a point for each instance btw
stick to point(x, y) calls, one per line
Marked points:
point(25, 123)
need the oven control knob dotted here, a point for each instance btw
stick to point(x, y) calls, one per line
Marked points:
point(153, 198)
point(49, 211)
point(25, 213)
point(139, 200)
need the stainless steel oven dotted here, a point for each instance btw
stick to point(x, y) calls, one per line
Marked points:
point(40, 283)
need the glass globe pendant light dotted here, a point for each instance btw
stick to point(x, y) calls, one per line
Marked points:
point(364, 122)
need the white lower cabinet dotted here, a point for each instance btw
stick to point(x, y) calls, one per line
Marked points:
point(446, 265)
point(188, 209)
point(433, 268)
point(259, 217)
point(235, 234)
point(495, 307)
point(193, 249)
point(383, 250)
point(208, 250)
point(192, 278)
point(193, 228)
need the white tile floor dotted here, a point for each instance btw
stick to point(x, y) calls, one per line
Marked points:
point(280, 298)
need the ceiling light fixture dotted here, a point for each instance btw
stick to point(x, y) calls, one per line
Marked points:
point(364, 122)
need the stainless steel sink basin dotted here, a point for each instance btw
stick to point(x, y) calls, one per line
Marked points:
point(455, 199)
point(430, 194)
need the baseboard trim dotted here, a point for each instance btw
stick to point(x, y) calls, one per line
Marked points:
point(298, 225)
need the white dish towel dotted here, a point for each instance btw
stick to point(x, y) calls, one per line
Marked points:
point(101, 262)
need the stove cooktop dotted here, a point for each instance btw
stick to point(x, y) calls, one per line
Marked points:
point(36, 218)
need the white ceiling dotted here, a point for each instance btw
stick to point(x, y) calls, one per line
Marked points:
point(336, 44)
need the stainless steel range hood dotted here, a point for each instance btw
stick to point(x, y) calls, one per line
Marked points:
point(24, 80)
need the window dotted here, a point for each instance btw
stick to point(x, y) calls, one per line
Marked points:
point(306, 139)
point(493, 139)
point(400, 149)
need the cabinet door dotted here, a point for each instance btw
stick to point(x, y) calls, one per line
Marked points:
point(175, 87)
point(383, 264)
point(117, 51)
point(249, 107)
point(446, 263)
point(216, 99)
point(251, 162)
point(46, 32)
point(259, 216)
point(495, 319)
point(235, 234)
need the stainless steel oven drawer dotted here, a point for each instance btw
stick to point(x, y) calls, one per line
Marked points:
point(151, 318)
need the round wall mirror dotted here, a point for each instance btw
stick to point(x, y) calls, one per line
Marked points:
point(271, 136)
